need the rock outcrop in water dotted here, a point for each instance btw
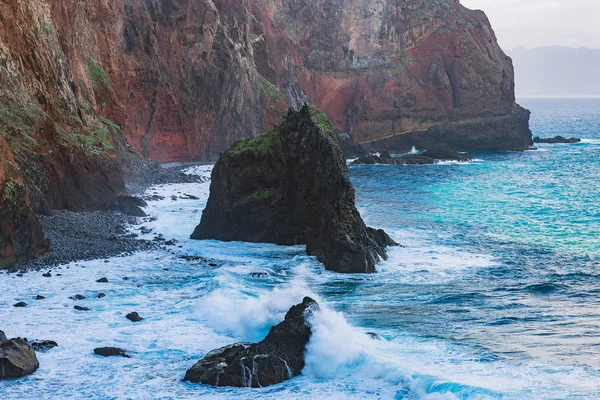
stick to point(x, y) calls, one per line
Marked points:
point(430, 156)
point(291, 186)
point(277, 358)
point(556, 139)
point(17, 357)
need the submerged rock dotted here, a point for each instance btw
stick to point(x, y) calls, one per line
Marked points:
point(555, 140)
point(20, 304)
point(277, 358)
point(289, 187)
point(110, 352)
point(17, 357)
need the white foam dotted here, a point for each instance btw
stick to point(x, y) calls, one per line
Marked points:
point(246, 316)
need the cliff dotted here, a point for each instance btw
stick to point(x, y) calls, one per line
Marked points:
point(87, 86)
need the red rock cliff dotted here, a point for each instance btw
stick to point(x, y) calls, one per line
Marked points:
point(85, 85)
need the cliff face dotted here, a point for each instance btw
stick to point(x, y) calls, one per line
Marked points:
point(87, 85)
point(385, 69)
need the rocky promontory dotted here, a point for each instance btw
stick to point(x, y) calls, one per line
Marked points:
point(289, 187)
point(277, 358)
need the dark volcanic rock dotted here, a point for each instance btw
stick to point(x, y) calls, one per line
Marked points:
point(101, 295)
point(110, 352)
point(277, 358)
point(17, 357)
point(444, 152)
point(291, 186)
point(39, 297)
point(80, 308)
point(386, 158)
point(131, 206)
point(433, 153)
point(20, 304)
point(555, 140)
point(43, 345)
point(102, 280)
point(77, 297)
point(134, 317)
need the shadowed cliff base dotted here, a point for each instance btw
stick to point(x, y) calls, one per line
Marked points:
point(291, 186)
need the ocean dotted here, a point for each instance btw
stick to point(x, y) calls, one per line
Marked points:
point(495, 293)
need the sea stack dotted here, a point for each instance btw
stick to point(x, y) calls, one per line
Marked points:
point(291, 186)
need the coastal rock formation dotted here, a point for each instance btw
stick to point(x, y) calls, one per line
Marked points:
point(89, 88)
point(291, 186)
point(277, 358)
point(430, 156)
point(17, 358)
point(556, 139)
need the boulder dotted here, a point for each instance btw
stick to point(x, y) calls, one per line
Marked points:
point(17, 357)
point(102, 280)
point(20, 304)
point(277, 358)
point(110, 352)
point(80, 308)
point(555, 140)
point(43, 345)
point(134, 317)
point(290, 187)
point(131, 206)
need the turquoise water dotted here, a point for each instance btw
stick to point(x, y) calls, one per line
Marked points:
point(495, 294)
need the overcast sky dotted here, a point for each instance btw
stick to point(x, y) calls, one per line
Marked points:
point(535, 23)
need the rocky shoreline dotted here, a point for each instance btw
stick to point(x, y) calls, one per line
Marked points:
point(90, 235)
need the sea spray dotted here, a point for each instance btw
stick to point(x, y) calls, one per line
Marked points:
point(249, 316)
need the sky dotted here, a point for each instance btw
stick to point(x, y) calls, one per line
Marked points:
point(536, 23)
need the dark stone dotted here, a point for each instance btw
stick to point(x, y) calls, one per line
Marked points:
point(17, 357)
point(259, 274)
point(131, 206)
point(277, 358)
point(110, 352)
point(47, 275)
point(39, 297)
point(433, 153)
point(102, 280)
point(43, 345)
point(20, 304)
point(555, 140)
point(289, 187)
point(444, 152)
point(101, 295)
point(134, 317)
point(80, 308)
point(77, 297)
